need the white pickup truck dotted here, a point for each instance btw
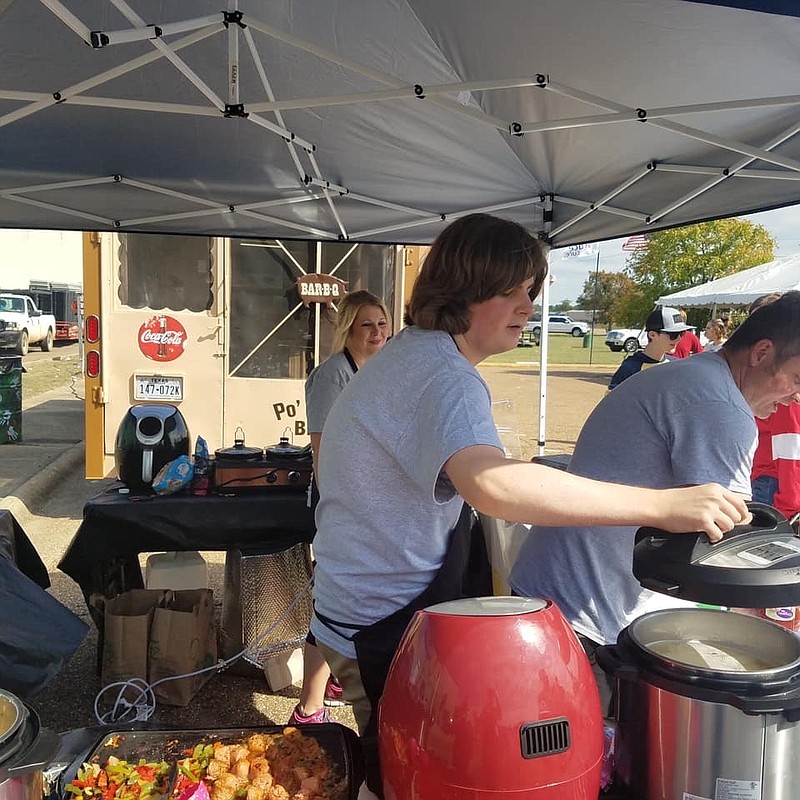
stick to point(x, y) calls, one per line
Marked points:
point(23, 324)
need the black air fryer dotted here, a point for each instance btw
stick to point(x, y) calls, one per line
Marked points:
point(149, 436)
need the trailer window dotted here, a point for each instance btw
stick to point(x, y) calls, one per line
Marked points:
point(272, 333)
point(165, 272)
point(269, 327)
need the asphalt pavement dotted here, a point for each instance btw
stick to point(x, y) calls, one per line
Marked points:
point(42, 484)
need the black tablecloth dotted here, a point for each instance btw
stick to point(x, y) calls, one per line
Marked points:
point(17, 547)
point(103, 555)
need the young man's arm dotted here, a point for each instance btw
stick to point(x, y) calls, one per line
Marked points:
point(522, 492)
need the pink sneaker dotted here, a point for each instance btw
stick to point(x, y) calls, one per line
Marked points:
point(334, 694)
point(312, 719)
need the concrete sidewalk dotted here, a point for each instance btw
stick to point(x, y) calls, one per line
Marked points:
point(50, 448)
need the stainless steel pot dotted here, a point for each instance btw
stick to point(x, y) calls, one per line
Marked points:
point(709, 703)
point(25, 749)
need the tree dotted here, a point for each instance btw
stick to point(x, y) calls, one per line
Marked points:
point(563, 306)
point(683, 257)
point(602, 291)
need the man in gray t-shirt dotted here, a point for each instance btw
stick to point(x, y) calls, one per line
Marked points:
point(683, 423)
point(687, 422)
point(413, 436)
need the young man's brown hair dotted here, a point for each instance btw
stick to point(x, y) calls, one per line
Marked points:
point(473, 259)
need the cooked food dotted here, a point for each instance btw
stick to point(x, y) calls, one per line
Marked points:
point(284, 766)
point(120, 780)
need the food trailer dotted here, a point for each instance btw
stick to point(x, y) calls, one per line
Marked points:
point(217, 327)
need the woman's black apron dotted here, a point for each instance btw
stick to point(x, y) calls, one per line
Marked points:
point(465, 572)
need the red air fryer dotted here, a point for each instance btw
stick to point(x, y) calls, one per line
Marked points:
point(490, 695)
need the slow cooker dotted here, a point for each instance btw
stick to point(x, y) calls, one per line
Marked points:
point(25, 750)
point(709, 699)
point(240, 469)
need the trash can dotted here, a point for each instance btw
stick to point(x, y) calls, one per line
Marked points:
point(587, 338)
point(11, 370)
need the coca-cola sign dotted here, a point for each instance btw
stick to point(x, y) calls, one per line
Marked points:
point(162, 338)
point(318, 288)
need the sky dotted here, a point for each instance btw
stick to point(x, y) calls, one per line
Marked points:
point(571, 273)
point(55, 256)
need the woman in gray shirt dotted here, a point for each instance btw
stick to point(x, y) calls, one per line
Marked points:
point(361, 330)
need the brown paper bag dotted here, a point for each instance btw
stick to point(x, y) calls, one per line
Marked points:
point(126, 633)
point(182, 639)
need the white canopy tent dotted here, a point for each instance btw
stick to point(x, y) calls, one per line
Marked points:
point(741, 288)
point(382, 121)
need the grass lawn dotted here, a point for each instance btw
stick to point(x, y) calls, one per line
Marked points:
point(46, 374)
point(563, 349)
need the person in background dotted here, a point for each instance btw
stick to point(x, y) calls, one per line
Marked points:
point(665, 328)
point(361, 330)
point(716, 335)
point(685, 423)
point(412, 440)
point(689, 343)
point(776, 464)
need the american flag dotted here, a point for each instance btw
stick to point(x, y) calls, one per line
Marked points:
point(635, 243)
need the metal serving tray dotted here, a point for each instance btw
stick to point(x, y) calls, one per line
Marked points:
point(134, 743)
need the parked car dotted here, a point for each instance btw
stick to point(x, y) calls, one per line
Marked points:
point(23, 324)
point(627, 339)
point(558, 323)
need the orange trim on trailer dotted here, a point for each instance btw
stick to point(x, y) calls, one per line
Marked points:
point(94, 415)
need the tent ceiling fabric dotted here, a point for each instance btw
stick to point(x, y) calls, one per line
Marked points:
point(399, 115)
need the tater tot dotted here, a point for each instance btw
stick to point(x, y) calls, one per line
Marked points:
point(241, 768)
point(257, 743)
point(256, 792)
point(238, 752)
point(216, 768)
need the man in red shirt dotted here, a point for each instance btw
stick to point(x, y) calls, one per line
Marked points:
point(776, 464)
point(689, 343)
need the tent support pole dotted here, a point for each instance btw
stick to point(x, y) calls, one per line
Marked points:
point(594, 304)
point(544, 342)
point(544, 338)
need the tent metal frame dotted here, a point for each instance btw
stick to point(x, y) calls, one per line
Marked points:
point(454, 97)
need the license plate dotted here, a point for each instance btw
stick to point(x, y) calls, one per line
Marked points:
point(157, 387)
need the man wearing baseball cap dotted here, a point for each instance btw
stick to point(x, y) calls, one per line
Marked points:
point(665, 327)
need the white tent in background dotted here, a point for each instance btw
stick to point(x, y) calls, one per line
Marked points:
point(741, 288)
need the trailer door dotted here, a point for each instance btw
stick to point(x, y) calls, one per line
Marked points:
point(162, 301)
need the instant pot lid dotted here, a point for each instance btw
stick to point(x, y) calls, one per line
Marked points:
point(754, 566)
